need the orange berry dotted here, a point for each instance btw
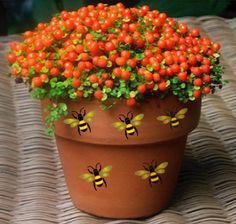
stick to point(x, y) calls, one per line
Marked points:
point(98, 94)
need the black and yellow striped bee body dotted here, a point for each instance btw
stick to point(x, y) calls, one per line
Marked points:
point(173, 118)
point(154, 177)
point(97, 175)
point(80, 120)
point(83, 126)
point(130, 129)
point(174, 122)
point(152, 172)
point(128, 123)
point(98, 180)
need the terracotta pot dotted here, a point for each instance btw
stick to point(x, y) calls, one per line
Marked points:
point(111, 175)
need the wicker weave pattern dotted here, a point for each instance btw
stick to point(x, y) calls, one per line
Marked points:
point(32, 186)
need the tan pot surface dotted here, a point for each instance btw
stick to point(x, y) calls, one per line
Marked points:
point(111, 175)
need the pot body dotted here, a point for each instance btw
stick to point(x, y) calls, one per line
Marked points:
point(126, 173)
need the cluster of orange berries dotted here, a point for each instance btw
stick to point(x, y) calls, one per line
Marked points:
point(110, 45)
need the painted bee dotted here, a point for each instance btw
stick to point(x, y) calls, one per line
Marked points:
point(97, 175)
point(81, 120)
point(152, 172)
point(173, 118)
point(128, 123)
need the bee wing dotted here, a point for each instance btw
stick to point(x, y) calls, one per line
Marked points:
point(87, 176)
point(181, 113)
point(89, 116)
point(72, 122)
point(105, 171)
point(120, 126)
point(164, 119)
point(161, 168)
point(144, 174)
point(137, 120)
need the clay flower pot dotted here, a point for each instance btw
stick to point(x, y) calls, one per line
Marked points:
point(123, 161)
point(126, 173)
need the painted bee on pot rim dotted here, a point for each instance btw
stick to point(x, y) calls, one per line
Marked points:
point(128, 123)
point(97, 175)
point(81, 120)
point(152, 171)
point(173, 118)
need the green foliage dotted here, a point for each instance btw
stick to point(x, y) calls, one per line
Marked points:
point(55, 112)
point(72, 65)
point(38, 93)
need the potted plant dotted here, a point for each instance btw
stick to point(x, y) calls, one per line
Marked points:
point(122, 88)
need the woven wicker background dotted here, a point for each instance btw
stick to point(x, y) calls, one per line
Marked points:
point(32, 186)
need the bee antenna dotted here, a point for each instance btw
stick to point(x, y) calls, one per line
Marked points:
point(75, 112)
point(90, 168)
point(154, 163)
point(81, 110)
point(168, 113)
point(129, 113)
point(122, 115)
point(146, 164)
point(98, 164)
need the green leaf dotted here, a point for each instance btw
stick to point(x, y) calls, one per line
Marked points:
point(155, 88)
point(168, 83)
point(132, 77)
point(175, 92)
point(118, 23)
point(196, 87)
point(85, 94)
point(183, 85)
point(73, 95)
point(149, 68)
point(62, 106)
point(31, 71)
point(49, 131)
point(95, 85)
point(104, 97)
point(44, 70)
point(109, 64)
point(18, 53)
point(55, 112)
point(62, 27)
point(98, 36)
point(192, 75)
point(216, 55)
point(66, 83)
point(129, 69)
point(71, 91)
point(192, 98)
point(119, 94)
point(55, 56)
point(38, 93)
point(103, 107)
point(162, 64)
point(175, 80)
point(86, 83)
point(53, 82)
point(111, 30)
point(190, 93)
point(106, 90)
point(122, 83)
point(139, 56)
